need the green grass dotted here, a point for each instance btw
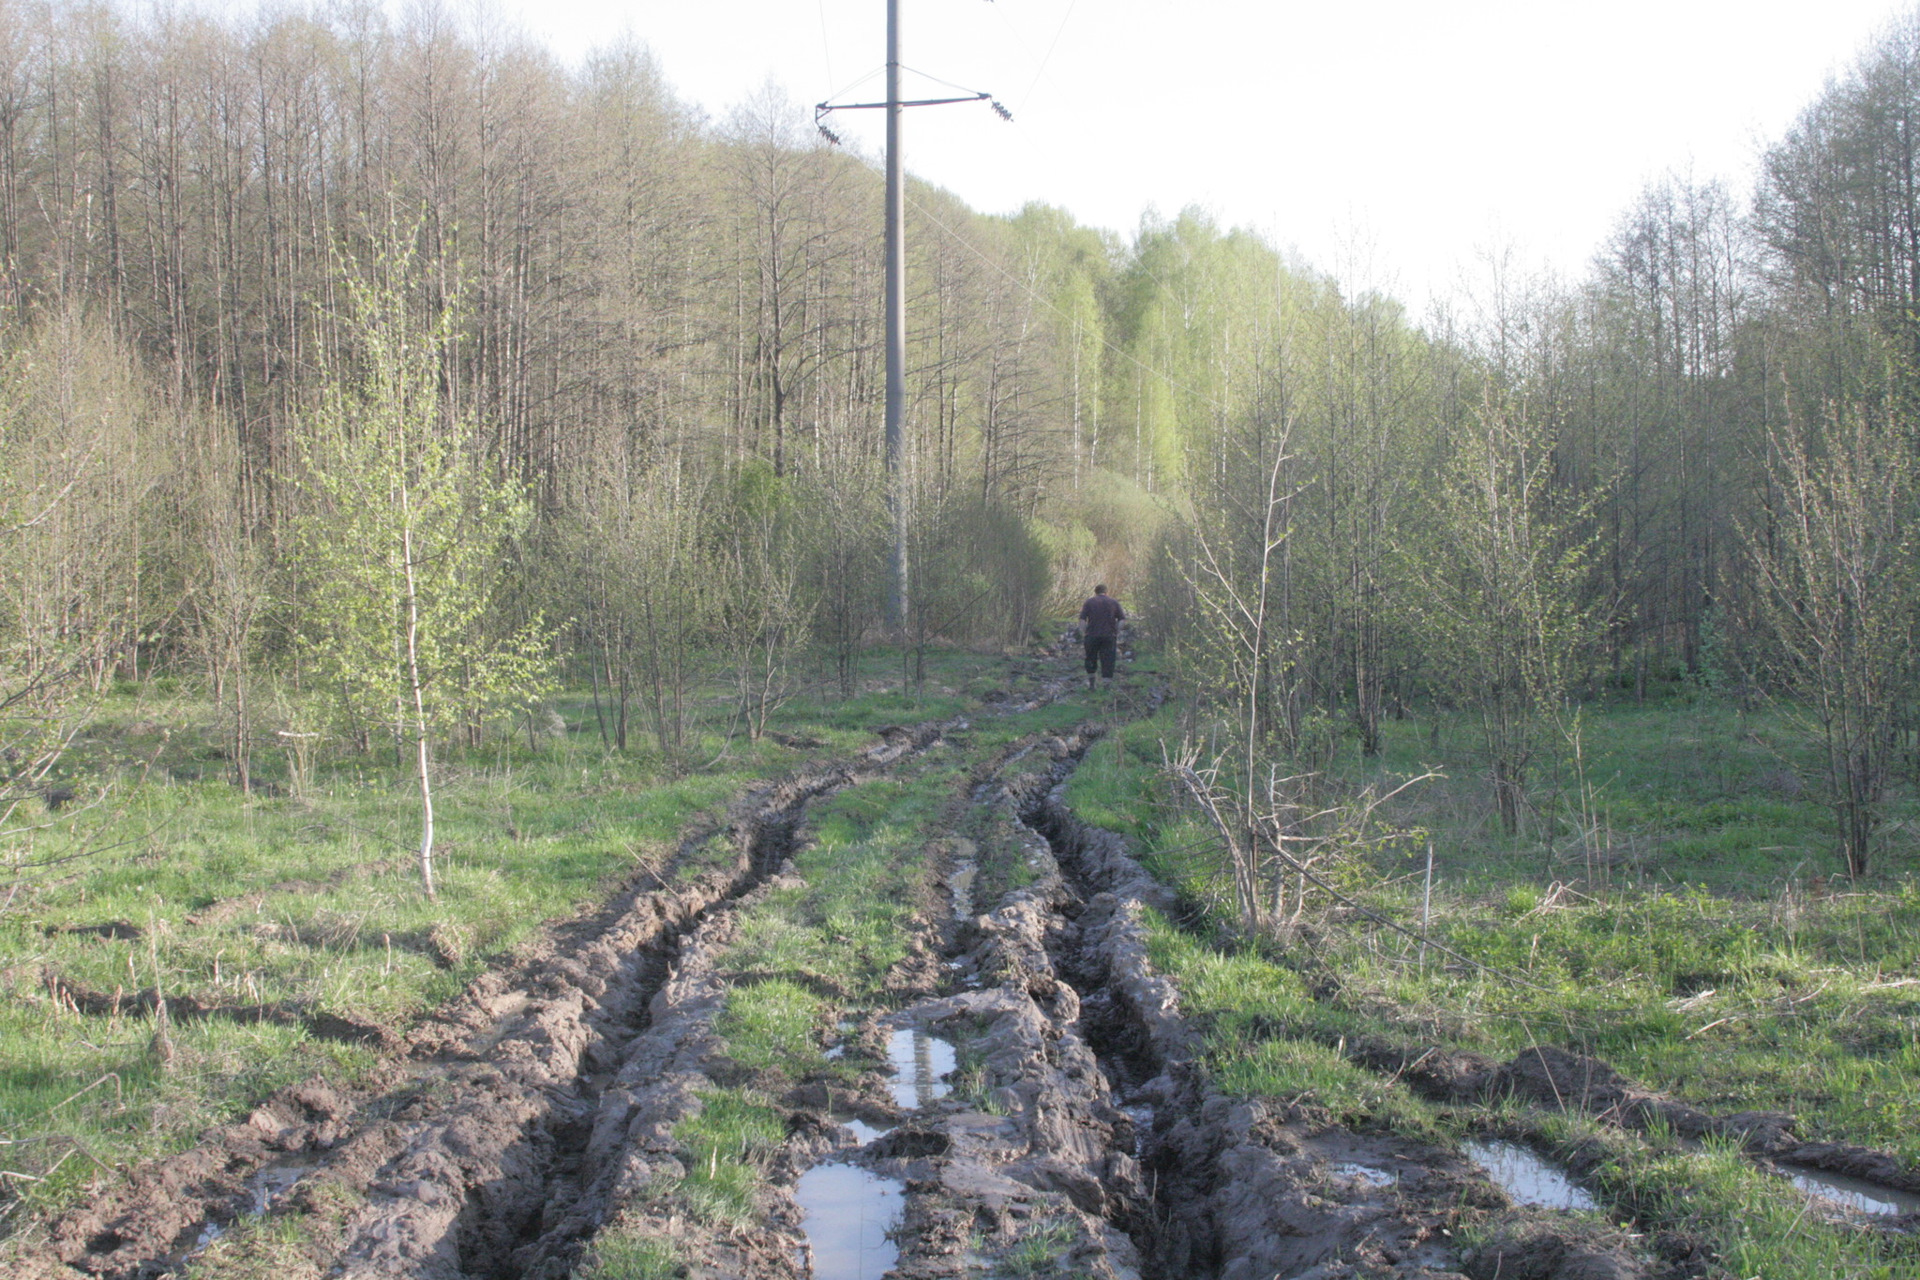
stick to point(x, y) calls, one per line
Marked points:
point(1754, 1222)
point(1039, 1252)
point(259, 1248)
point(725, 1147)
point(773, 1025)
point(311, 902)
point(627, 1255)
point(1699, 957)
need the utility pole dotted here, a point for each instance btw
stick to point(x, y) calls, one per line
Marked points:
point(898, 489)
point(896, 248)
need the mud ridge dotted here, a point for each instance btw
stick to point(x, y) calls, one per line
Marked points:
point(453, 1159)
point(1035, 1153)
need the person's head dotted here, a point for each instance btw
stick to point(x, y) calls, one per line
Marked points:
point(1100, 589)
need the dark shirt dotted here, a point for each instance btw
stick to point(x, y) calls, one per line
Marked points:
point(1102, 615)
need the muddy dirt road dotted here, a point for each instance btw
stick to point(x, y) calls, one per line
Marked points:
point(1015, 1093)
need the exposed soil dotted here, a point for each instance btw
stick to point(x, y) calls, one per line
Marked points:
point(455, 1154)
point(1245, 1189)
point(541, 1107)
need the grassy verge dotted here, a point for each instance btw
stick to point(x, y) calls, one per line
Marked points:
point(1697, 955)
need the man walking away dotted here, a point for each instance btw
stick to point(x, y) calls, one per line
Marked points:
point(1101, 615)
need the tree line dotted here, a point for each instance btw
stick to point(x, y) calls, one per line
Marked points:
point(634, 356)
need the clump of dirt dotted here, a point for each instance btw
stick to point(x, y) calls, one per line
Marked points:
point(113, 930)
point(1559, 1252)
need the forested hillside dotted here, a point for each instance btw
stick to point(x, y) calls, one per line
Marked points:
point(650, 338)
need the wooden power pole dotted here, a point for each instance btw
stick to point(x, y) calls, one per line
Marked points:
point(899, 491)
point(896, 246)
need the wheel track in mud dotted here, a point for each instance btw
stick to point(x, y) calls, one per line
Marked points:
point(1240, 1188)
point(545, 1098)
point(463, 1149)
point(1230, 1192)
point(1223, 1187)
point(1237, 1162)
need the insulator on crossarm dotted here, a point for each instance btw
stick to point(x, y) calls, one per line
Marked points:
point(1000, 110)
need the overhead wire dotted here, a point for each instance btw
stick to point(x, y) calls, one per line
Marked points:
point(851, 85)
point(1048, 56)
point(826, 45)
point(924, 75)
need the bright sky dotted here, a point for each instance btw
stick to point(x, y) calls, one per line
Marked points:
point(1393, 142)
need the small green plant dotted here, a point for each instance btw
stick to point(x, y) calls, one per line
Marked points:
point(626, 1255)
point(725, 1146)
point(1040, 1251)
point(773, 1025)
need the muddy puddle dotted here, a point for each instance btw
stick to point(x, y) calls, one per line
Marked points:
point(920, 1063)
point(848, 1213)
point(1853, 1193)
point(264, 1192)
point(863, 1133)
point(1365, 1174)
point(1526, 1178)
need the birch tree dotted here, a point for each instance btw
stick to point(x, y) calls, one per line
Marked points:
point(1507, 606)
point(401, 536)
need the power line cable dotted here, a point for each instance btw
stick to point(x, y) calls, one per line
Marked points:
point(1048, 56)
point(851, 85)
point(924, 75)
point(826, 46)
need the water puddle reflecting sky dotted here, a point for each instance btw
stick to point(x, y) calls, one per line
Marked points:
point(919, 1061)
point(1365, 1173)
point(848, 1212)
point(1854, 1193)
point(863, 1133)
point(1526, 1178)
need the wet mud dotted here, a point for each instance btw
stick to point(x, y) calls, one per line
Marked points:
point(469, 1155)
point(1242, 1188)
point(1029, 1097)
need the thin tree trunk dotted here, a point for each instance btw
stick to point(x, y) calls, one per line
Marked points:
point(423, 756)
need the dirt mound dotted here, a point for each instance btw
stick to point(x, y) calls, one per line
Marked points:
point(163, 1206)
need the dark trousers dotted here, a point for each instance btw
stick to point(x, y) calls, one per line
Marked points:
point(1100, 655)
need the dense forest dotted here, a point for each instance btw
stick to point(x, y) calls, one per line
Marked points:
point(391, 366)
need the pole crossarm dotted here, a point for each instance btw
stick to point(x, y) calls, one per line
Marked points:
point(896, 456)
point(822, 108)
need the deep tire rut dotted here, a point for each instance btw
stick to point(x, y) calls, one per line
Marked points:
point(542, 1106)
point(469, 1159)
point(1241, 1188)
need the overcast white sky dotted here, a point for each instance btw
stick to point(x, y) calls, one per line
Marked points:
point(1390, 141)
